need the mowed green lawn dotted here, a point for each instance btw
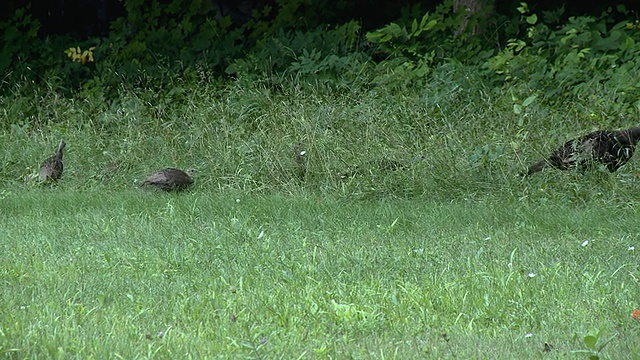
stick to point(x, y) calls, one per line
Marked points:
point(225, 274)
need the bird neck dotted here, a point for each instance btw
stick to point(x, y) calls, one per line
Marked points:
point(60, 149)
point(634, 135)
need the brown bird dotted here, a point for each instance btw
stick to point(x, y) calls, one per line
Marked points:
point(52, 168)
point(170, 179)
point(609, 148)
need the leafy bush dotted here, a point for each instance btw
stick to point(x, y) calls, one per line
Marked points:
point(324, 54)
point(410, 47)
point(157, 43)
point(161, 46)
point(576, 58)
point(154, 44)
point(25, 58)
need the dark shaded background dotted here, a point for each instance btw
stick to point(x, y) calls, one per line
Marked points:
point(86, 18)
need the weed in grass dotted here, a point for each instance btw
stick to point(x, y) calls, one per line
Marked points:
point(594, 344)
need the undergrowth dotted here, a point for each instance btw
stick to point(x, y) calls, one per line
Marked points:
point(455, 138)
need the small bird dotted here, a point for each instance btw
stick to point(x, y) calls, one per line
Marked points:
point(611, 148)
point(300, 157)
point(52, 168)
point(170, 179)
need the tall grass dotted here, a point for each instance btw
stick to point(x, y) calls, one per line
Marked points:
point(460, 138)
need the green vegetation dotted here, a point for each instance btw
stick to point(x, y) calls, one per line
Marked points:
point(256, 262)
point(228, 274)
point(431, 247)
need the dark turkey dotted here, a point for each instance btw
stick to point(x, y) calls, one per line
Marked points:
point(52, 168)
point(609, 148)
point(170, 179)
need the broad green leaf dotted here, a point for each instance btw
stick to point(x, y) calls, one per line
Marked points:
point(529, 100)
point(590, 341)
point(517, 109)
point(523, 8)
point(393, 28)
point(532, 19)
point(378, 37)
point(424, 20)
point(430, 25)
point(385, 34)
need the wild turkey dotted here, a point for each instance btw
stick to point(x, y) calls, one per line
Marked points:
point(52, 168)
point(170, 179)
point(609, 148)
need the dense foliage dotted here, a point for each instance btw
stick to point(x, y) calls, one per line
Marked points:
point(155, 45)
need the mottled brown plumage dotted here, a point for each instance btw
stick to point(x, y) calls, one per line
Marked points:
point(609, 148)
point(170, 179)
point(52, 168)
